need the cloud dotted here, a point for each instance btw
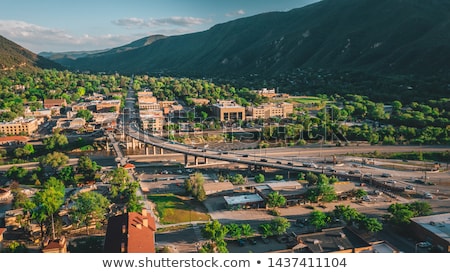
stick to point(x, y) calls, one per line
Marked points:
point(38, 38)
point(169, 21)
point(235, 13)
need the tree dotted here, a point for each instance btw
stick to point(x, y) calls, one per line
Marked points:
point(87, 167)
point(234, 231)
point(280, 225)
point(323, 191)
point(88, 207)
point(25, 151)
point(247, 230)
point(275, 199)
point(194, 186)
point(54, 160)
point(85, 114)
point(119, 179)
point(259, 178)
point(238, 179)
point(318, 219)
point(370, 224)
point(66, 175)
point(216, 232)
point(56, 141)
point(265, 229)
point(420, 208)
point(401, 214)
point(346, 213)
point(311, 178)
point(48, 201)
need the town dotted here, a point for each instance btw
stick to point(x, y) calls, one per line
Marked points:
point(130, 171)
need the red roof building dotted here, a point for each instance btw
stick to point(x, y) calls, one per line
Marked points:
point(130, 232)
point(55, 246)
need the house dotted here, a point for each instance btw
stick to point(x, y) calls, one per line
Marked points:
point(14, 140)
point(130, 232)
point(54, 103)
point(55, 246)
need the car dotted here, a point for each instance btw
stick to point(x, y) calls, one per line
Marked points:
point(386, 175)
point(279, 162)
point(244, 155)
point(391, 181)
point(424, 244)
point(263, 160)
point(409, 187)
point(428, 195)
point(290, 163)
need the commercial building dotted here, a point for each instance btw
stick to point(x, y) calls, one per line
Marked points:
point(19, 127)
point(434, 229)
point(269, 110)
point(228, 110)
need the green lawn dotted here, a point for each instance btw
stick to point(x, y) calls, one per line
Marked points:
point(173, 209)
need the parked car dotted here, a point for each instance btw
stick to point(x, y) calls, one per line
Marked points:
point(424, 244)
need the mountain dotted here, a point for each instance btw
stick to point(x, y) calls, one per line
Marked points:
point(14, 57)
point(66, 58)
point(374, 36)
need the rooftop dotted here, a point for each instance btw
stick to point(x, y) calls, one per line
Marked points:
point(243, 199)
point(438, 224)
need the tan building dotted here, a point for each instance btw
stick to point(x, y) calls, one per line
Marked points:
point(152, 121)
point(19, 127)
point(108, 106)
point(270, 110)
point(149, 106)
point(226, 110)
point(52, 103)
point(268, 93)
point(200, 101)
point(55, 246)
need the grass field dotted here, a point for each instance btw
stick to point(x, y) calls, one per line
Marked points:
point(173, 209)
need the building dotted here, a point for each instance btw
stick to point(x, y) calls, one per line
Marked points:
point(5, 194)
point(218, 187)
point(331, 240)
point(268, 93)
point(108, 106)
point(10, 140)
point(19, 127)
point(54, 103)
point(269, 110)
point(55, 246)
point(293, 191)
point(152, 121)
point(244, 201)
point(200, 101)
point(130, 232)
point(227, 110)
point(434, 229)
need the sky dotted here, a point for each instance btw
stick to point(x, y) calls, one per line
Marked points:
point(67, 25)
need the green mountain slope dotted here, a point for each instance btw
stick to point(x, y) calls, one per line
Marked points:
point(374, 36)
point(14, 57)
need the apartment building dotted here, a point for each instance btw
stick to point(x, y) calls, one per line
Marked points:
point(19, 127)
point(270, 110)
